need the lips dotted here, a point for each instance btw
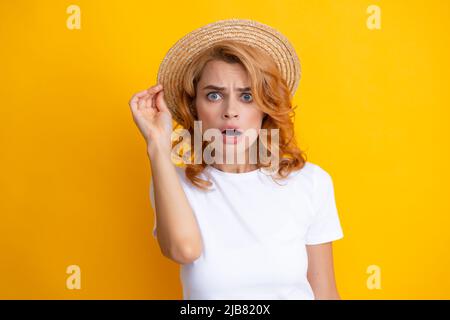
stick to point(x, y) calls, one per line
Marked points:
point(231, 131)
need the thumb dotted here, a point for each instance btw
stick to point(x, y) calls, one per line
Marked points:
point(161, 103)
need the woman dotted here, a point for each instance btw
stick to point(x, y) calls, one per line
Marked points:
point(239, 230)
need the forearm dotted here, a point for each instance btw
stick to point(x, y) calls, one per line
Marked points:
point(177, 230)
point(321, 271)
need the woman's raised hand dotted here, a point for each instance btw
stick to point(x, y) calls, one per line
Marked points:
point(152, 116)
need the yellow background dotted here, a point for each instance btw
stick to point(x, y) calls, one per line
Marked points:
point(373, 111)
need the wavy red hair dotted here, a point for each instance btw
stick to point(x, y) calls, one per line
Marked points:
point(269, 91)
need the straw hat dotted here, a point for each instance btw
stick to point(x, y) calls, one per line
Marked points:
point(250, 32)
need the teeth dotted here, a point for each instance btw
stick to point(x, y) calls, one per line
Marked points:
point(231, 132)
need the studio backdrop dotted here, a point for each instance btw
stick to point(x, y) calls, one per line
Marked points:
point(373, 110)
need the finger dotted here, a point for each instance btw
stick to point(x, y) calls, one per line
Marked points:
point(161, 102)
point(135, 99)
point(141, 103)
point(153, 90)
point(152, 97)
point(144, 93)
point(154, 102)
point(150, 102)
point(134, 103)
point(140, 95)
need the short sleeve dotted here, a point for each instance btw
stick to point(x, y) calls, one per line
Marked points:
point(325, 225)
point(152, 201)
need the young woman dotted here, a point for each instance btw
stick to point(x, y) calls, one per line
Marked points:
point(239, 230)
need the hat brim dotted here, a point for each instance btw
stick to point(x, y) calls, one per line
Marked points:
point(250, 32)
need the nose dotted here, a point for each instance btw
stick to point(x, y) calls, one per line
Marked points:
point(230, 112)
point(229, 115)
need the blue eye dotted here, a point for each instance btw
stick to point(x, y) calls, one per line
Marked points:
point(250, 99)
point(213, 93)
point(248, 94)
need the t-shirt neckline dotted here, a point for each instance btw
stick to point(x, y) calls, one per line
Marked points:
point(234, 175)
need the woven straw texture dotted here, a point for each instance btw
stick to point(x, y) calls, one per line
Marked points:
point(173, 66)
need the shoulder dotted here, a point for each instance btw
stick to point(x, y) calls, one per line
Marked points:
point(321, 176)
point(323, 182)
point(314, 177)
point(322, 189)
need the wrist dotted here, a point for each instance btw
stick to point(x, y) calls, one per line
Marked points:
point(156, 149)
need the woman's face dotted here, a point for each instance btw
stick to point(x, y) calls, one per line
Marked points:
point(224, 98)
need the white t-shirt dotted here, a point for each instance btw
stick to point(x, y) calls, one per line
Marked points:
point(254, 233)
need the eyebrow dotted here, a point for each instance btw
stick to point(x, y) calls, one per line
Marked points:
point(223, 89)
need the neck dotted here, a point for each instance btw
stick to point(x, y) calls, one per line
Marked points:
point(235, 168)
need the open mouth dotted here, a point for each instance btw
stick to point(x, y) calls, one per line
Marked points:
point(231, 132)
